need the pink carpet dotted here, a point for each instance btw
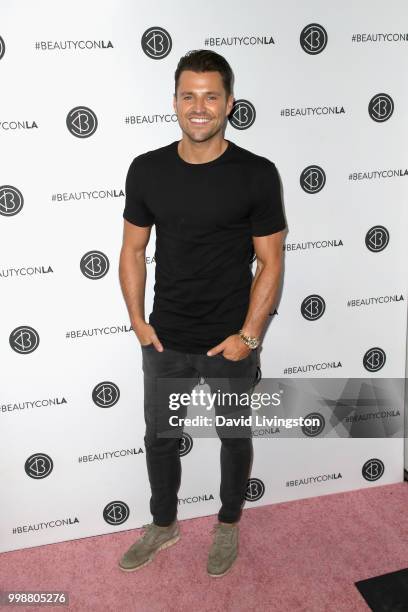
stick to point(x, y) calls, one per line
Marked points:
point(303, 555)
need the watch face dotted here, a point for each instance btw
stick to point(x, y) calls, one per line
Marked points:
point(250, 342)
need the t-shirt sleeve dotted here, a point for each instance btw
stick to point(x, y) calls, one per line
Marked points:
point(267, 209)
point(136, 210)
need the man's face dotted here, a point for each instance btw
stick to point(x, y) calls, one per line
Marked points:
point(201, 95)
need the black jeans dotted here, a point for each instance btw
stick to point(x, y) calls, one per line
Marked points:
point(163, 453)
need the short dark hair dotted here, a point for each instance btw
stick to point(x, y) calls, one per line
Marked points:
point(203, 60)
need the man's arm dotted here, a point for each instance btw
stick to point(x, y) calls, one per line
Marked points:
point(265, 284)
point(132, 276)
point(263, 292)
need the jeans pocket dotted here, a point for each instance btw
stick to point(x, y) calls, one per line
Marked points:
point(236, 360)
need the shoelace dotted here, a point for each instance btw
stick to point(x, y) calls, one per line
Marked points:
point(224, 535)
point(150, 532)
point(148, 535)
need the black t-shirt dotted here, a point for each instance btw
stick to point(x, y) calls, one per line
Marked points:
point(205, 215)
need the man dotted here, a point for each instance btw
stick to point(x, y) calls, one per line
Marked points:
point(213, 204)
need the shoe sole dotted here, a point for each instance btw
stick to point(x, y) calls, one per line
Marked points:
point(152, 556)
point(226, 571)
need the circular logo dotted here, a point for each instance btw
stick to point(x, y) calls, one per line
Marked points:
point(2, 47)
point(381, 107)
point(242, 115)
point(82, 122)
point(373, 469)
point(314, 430)
point(106, 394)
point(255, 489)
point(313, 307)
point(38, 466)
point(156, 43)
point(11, 200)
point(24, 339)
point(377, 238)
point(313, 38)
point(116, 513)
point(374, 359)
point(94, 265)
point(312, 179)
point(185, 444)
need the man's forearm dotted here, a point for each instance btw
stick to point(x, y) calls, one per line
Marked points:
point(263, 294)
point(132, 276)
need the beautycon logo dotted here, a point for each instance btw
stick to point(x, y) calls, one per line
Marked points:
point(255, 489)
point(105, 394)
point(313, 307)
point(242, 115)
point(24, 339)
point(116, 513)
point(17, 124)
point(25, 271)
point(11, 200)
point(81, 122)
point(94, 265)
point(314, 430)
point(381, 107)
point(373, 469)
point(374, 359)
point(377, 238)
point(185, 444)
point(313, 38)
point(38, 465)
point(156, 43)
point(312, 179)
point(313, 244)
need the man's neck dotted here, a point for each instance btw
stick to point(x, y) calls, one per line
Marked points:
point(201, 152)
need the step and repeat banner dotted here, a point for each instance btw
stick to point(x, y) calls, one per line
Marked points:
point(88, 86)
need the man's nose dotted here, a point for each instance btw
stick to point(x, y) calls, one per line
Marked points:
point(199, 106)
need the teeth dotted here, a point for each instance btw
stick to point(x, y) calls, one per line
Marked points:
point(199, 120)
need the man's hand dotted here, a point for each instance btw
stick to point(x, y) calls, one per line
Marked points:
point(146, 334)
point(232, 348)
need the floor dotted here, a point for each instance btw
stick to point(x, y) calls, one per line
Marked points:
point(303, 555)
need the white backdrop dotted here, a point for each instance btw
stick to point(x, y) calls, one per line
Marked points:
point(321, 94)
